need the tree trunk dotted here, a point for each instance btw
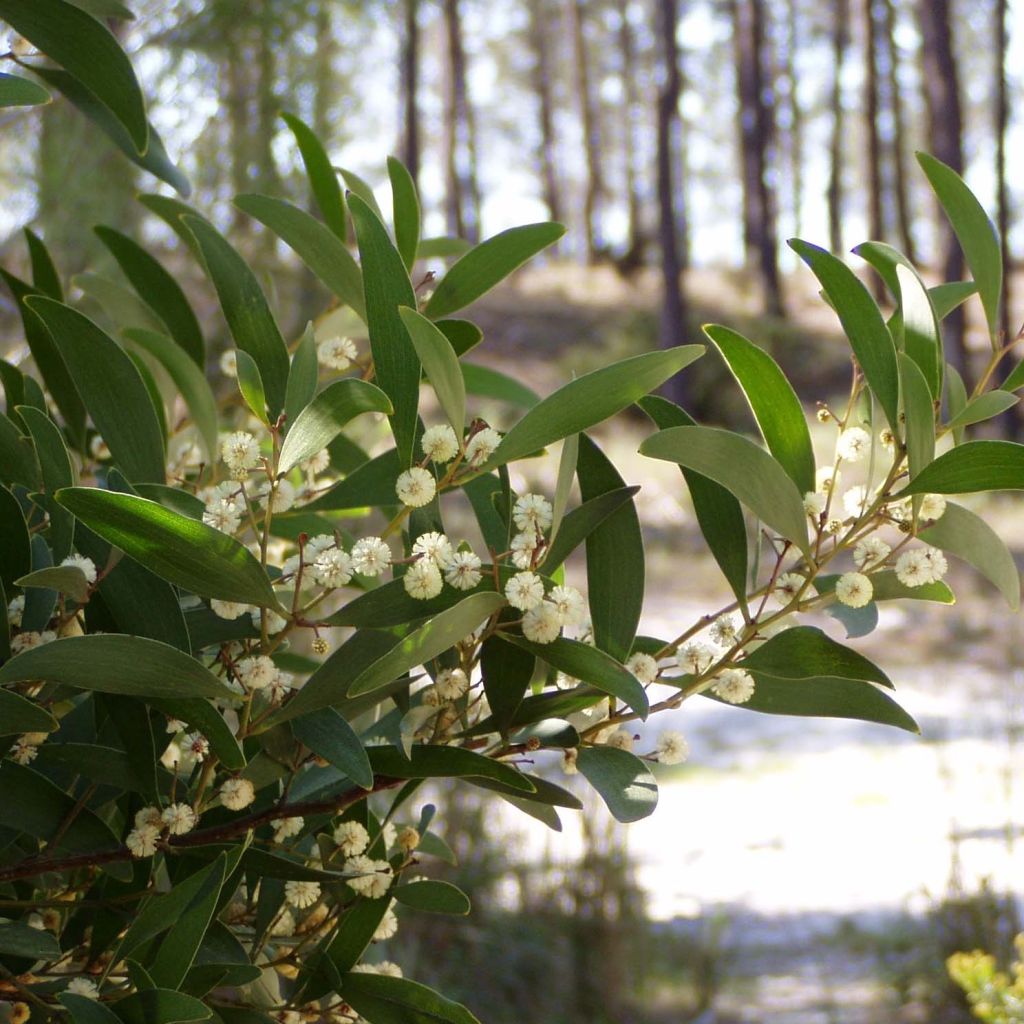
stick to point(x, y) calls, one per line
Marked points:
point(1002, 198)
point(236, 102)
point(461, 191)
point(796, 117)
point(945, 131)
point(876, 224)
point(409, 75)
point(834, 195)
point(594, 187)
point(756, 117)
point(901, 187)
point(631, 145)
point(540, 27)
point(673, 308)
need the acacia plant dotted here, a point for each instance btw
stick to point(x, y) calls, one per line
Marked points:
point(238, 642)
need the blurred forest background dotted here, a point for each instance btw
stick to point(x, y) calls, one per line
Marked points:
point(796, 873)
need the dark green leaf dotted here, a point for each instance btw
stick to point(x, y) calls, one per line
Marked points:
point(114, 663)
point(433, 896)
point(330, 736)
point(869, 337)
point(55, 465)
point(434, 762)
point(248, 316)
point(203, 717)
point(887, 587)
point(161, 1006)
point(89, 52)
point(360, 188)
point(17, 459)
point(84, 1010)
point(111, 387)
point(488, 263)
point(984, 407)
point(372, 483)
point(440, 364)
point(805, 651)
point(34, 943)
point(303, 377)
point(45, 277)
point(386, 288)
point(322, 179)
point(946, 297)
point(973, 466)
point(406, 207)
point(181, 550)
point(919, 415)
point(922, 338)
point(623, 781)
point(16, 549)
point(323, 419)
point(773, 402)
point(507, 670)
point(65, 579)
point(591, 399)
point(160, 290)
point(250, 385)
point(386, 1000)
point(19, 715)
point(21, 92)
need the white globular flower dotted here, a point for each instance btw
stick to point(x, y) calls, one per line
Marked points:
point(317, 462)
point(84, 987)
point(229, 362)
point(435, 546)
point(734, 686)
point(284, 681)
point(695, 658)
point(284, 497)
point(853, 444)
point(932, 506)
point(826, 478)
point(301, 894)
point(337, 353)
point(620, 739)
point(227, 609)
point(372, 877)
point(814, 503)
point(463, 571)
point(671, 748)
point(572, 609)
point(240, 452)
point(220, 516)
point(439, 443)
point(643, 666)
point(179, 819)
point(389, 834)
point(197, 747)
point(31, 638)
point(532, 513)
point(237, 793)
point(855, 501)
point(150, 815)
point(525, 590)
point(919, 566)
point(257, 673)
point(482, 446)
point(388, 926)
point(332, 568)
point(723, 630)
point(854, 589)
point(23, 752)
point(284, 924)
point(416, 487)
point(542, 623)
point(523, 549)
point(174, 726)
point(370, 556)
point(285, 828)
point(938, 563)
point(788, 585)
point(870, 552)
point(422, 580)
point(351, 838)
point(87, 566)
point(275, 622)
point(451, 683)
point(141, 842)
point(409, 838)
point(15, 610)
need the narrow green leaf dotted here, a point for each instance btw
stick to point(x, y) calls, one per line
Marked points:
point(84, 1010)
point(622, 780)
point(974, 231)
point(155, 160)
point(579, 523)
point(159, 289)
point(441, 365)
point(805, 651)
point(330, 736)
point(172, 211)
point(362, 190)
point(506, 669)
point(590, 665)
point(887, 587)
point(615, 556)
point(984, 407)
point(563, 484)
point(325, 417)
point(21, 92)
point(321, 249)
point(433, 896)
point(973, 466)
point(866, 330)
point(89, 52)
point(719, 514)
point(250, 385)
point(922, 339)
point(18, 463)
point(442, 248)
point(435, 762)
point(740, 466)
point(489, 383)
point(202, 716)
point(111, 388)
point(114, 663)
point(322, 179)
point(591, 399)
point(189, 380)
point(773, 402)
point(19, 715)
point(245, 307)
point(956, 398)
point(370, 484)
point(825, 697)
point(946, 297)
point(968, 536)
point(488, 263)
point(57, 470)
point(303, 377)
point(464, 335)
point(161, 1006)
point(919, 414)
point(386, 288)
point(181, 550)
point(65, 579)
point(45, 277)
point(406, 207)
point(107, 766)
point(23, 940)
point(1015, 380)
